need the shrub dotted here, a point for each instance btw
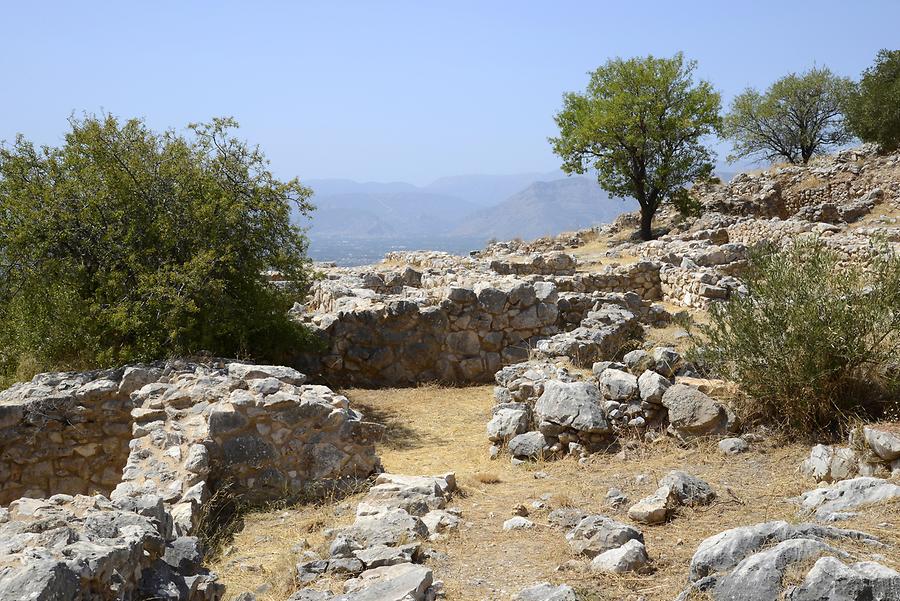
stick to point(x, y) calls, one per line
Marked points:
point(873, 111)
point(814, 341)
point(124, 244)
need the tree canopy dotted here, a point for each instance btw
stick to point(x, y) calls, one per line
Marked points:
point(641, 124)
point(126, 244)
point(873, 111)
point(798, 117)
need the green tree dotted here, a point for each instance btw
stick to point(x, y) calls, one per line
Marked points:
point(798, 117)
point(640, 124)
point(125, 244)
point(873, 111)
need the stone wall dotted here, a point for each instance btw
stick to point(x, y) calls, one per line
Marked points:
point(257, 433)
point(63, 433)
point(641, 277)
point(695, 288)
point(465, 337)
point(549, 264)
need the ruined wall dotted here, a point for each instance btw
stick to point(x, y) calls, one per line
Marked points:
point(540, 264)
point(254, 432)
point(167, 428)
point(466, 337)
point(63, 433)
point(641, 277)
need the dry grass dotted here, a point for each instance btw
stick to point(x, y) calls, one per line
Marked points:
point(431, 430)
point(486, 478)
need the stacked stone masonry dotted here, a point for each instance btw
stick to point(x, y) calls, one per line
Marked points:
point(177, 434)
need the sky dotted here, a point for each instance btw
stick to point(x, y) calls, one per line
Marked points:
point(394, 90)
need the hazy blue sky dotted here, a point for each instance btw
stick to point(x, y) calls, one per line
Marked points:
point(394, 90)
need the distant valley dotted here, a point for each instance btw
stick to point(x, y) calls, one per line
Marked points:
point(357, 222)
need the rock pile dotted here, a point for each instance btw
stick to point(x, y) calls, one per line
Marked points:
point(380, 551)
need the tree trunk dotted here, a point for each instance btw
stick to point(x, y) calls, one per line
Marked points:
point(646, 223)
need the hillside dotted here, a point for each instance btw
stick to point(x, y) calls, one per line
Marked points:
point(546, 208)
point(488, 190)
point(387, 214)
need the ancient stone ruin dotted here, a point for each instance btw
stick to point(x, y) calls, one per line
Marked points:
point(106, 474)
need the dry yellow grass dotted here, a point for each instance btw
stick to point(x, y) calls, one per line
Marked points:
point(431, 430)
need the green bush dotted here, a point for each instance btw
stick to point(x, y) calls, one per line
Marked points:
point(873, 111)
point(125, 244)
point(814, 342)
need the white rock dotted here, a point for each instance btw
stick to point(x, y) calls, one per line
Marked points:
point(630, 557)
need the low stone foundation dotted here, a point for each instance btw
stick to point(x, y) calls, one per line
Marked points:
point(255, 433)
point(465, 337)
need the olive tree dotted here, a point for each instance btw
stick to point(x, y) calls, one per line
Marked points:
point(798, 117)
point(641, 124)
point(873, 111)
point(126, 244)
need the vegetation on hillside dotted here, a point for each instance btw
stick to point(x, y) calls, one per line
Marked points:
point(873, 111)
point(641, 124)
point(798, 117)
point(814, 342)
point(125, 244)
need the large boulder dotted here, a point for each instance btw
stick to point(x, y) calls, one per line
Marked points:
point(652, 386)
point(830, 464)
point(723, 551)
point(630, 557)
point(749, 563)
point(655, 508)
point(401, 582)
point(884, 440)
point(597, 533)
point(506, 423)
point(831, 579)
point(692, 413)
point(391, 528)
point(689, 490)
point(833, 502)
point(573, 405)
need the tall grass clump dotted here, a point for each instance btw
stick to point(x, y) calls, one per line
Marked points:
point(814, 342)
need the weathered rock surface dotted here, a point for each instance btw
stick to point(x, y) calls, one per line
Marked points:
point(692, 413)
point(595, 534)
point(832, 502)
point(748, 563)
point(883, 440)
point(630, 557)
point(544, 591)
point(530, 445)
point(830, 464)
point(832, 580)
point(574, 405)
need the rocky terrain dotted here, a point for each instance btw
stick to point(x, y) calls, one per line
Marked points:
point(580, 455)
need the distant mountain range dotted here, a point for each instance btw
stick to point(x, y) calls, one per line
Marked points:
point(359, 221)
point(546, 208)
point(471, 206)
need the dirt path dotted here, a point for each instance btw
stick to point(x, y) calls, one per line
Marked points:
point(432, 430)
